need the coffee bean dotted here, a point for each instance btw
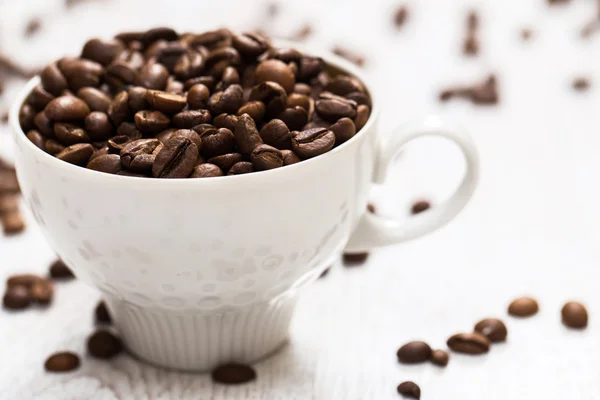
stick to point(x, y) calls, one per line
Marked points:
point(77, 154)
point(230, 77)
point(332, 108)
point(302, 88)
point(109, 163)
point(469, 343)
point(67, 108)
point(165, 102)
point(99, 151)
point(102, 316)
point(44, 124)
point(130, 130)
point(53, 147)
point(166, 135)
point(120, 74)
point(249, 45)
point(62, 362)
point(216, 142)
point(272, 95)
point(574, 315)
point(116, 144)
point(139, 155)
point(226, 102)
point(226, 161)
point(246, 135)
point(414, 352)
point(300, 100)
point(97, 125)
point(191, 135)
point(80, 72)
point(295, 118)
point(27, 116)
point(409, 389)
point(526, 34)
point(190, 118)
point(151, 122)
point(493, 329)
point(276, 134)
point(343, 85)
point(523, 307)
point(69, 134)
point(349, 55)
point(420, 206)
point(175, 87)
point(154, 34)
point(53, 80)
point(242, 167)
point(309, 67)
point(312, 142)
point(60, 271)
point(221, 58)
point(119, 110)
point(26, 280)
point(362, 116)
point(207, 81)
point(177, 159)
point(198, 96)
point(354, 259)
point(102, 51)
point(152, 76)
point(400, 16)
point(37, 139)
point(471, 42)
point(440, 357)
point(254, 109)
point(16, 297)
point(275, 71)
point(42, 291)
point(206, 170)
point(581, 84)
point(361, 98)
point(226, 121)
point(265, 157)
point(343, 130)
point(233, 374)
point(39, 98)
point(96, 99)
point(188, 65)
point(103, 344)
point(289, 157)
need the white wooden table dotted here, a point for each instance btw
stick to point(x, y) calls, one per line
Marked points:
point(533, 226)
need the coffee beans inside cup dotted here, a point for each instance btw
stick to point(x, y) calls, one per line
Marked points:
point(164, 105)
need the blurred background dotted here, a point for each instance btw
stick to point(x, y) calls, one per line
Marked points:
point(532, 227)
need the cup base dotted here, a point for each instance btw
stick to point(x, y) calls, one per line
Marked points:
point(202, 341)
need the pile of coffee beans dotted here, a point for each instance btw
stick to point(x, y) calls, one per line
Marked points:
point(164, 105)
point(10, 215)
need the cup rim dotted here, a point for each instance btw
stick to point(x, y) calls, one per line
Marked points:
point(329, 57)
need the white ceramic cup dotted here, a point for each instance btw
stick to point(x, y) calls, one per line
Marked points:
point(199, 272)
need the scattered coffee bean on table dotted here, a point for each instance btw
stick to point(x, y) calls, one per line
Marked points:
point(414, 352)
point(581, 84)
point(526, 34)
point(62, 362)
point(350, 55)
point(410, 390)
point(12, 222)
point(26, 280)
point(354, 259)
point(16, 297)
point(482, 93)
point(492, 328)
point(420, 206)
point(371, 208)
point(42, 291)
point(102, 316)
point(523, 307)
point(440, 357)
point(157, 104)
point(574, 315)
point(469, 343)
point(33, 26)
point(233, 374)
point(103, 344)
point(60, 271)
point(400, 16)
point(303, 33)
point(471, 43)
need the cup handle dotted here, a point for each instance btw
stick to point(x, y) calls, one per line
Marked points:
point(374, 230)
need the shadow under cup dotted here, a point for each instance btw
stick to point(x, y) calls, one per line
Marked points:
point(198, 272)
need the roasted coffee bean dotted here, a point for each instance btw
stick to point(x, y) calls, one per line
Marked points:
point(67, 108)
point(233, 374)
point(266, 157)
point(198, 96)
point(165, 135)
point(249, 45)
point(276, 134)
point(226, 121)
point(230, 77)
point(300, 100)
point(16, 297)
point(62, 362)
point(100, 152)
point(343, 130)
point(206, 170)
point(37, 139)
point(102, 51)
point(151, 122)
point(420, 206)
point(354, 259)
point(191, 135)
point(523, 307)
point(154, 34)
point(69, 134)
point(207, 81)
point(97, 125)
point(152, 76)
point(221, 58)
point(277, 71)
point(400, 16)
point(165, 102)
point(246, 135)
point(174, 86)
point(333, 108)
point(343, 85)
point(272, 95)
point(371, 208)
point(12, 222)
point(96, 99)
point(53, 147)
point(8, 182)
point(242, 167)
point(414, 352)
point(42, 291)
point(574, 315)
point(469, 343)
point(216, 142)
point(309, 68)
point(77, 154)
point(177, 159)
point(226, 161)
point(59, 270)
point(39, 98)
point(362, 116)
point(188, 65)
point(440, 357)
point(190, 118)
point(312, 142)
point(295, 118)
point(116, 144)
point(493, 329)
point(53, 80)
point(289, 157)
point(286, 54)
point(27, 116)
point(103, 344)
point(350, 55)
point(109, 163)
point(581, 84)
point(254, 109)
point(226, 102)
point(119, 110)
point(80, 72)
point(471, 42)
point(211, 39)
point(9, 202)
point(120, 74)
point(302, 88)
point(361, 98)
point(409, 389)
point(130, 130)
point(137, 99)
point(102, 316)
